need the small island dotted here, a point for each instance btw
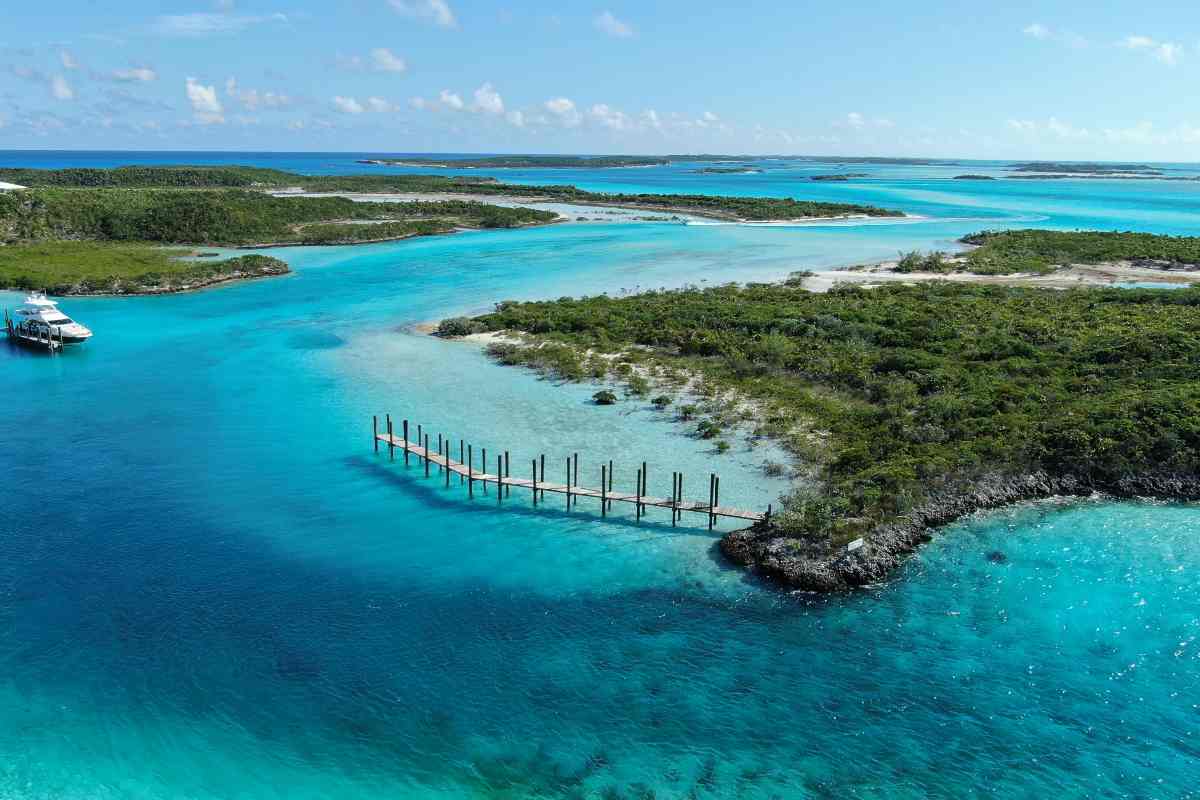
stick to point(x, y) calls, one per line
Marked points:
point(523, 162)
point(905, 406)
point(1086, 168)
point(970, 177)
point(727, 171)
point(841, 176)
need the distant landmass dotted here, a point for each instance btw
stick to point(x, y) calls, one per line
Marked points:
point(841, 176)
point(1082, 168)
point(509, 162)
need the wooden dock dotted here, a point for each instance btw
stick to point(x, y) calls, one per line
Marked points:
point(502, 482)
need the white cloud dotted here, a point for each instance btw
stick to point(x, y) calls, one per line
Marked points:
point(855, 120)
point(348, 105)
point(516, 119)
point(385, 60)
point(488, 100)
point(450, 100)
point(133, 75)
point(1166, 52)
point(206, 107)
point(436, 11)
point(605, 21)
point(610, 117)
point(67, 60)
point(381, 106)
point(1064, 131)
point(204, 23)
point(652, 120)
point(253, 100)
point(1022, 125)
point(1037, 31)
point(61, 89)
point(564, 109)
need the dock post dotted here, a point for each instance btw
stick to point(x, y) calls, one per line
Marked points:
point(535, 482)
point(391, 441)
point(483, 460)
point(568, 483)
point(375, 431)
point(439, 446)
point(674, 495)
point(638, 502)
point(462, 449)
point(711, 481)
point(679, 499)
point(543, 460)
point(420, 438)
point(767, 518)
point(406, 443)
point(610, 480)
point(507, 474)
point(499, 478)
point(717, 492)
point(603, 490)
point(645, 485)
point(575, 474)
point(425, 445)
point(470, 470)
point(446, 456)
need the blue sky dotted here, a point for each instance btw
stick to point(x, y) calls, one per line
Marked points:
point(1014, 80)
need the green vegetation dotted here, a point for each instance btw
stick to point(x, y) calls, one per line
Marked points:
point(899, 393)
point(459, 326)
point(745, 208)
point(563, 162)
point(839, 177)
point(80, 267)
point(970, 177)
point(604, 397)
point(231, 216)
point(1041, 252)
point(1086, 168)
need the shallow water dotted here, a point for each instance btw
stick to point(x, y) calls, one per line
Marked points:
point(212, 587)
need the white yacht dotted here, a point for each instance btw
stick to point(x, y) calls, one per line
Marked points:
point(39, 309)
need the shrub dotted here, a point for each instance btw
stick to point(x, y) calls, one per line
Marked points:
point(458, 326)
point(604, 397)
point(661, 402)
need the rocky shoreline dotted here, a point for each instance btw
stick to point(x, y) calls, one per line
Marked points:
point(763, 550)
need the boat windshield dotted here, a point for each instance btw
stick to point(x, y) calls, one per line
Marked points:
point(60, 321)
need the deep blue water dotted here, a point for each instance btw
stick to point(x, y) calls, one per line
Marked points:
point(212, 587)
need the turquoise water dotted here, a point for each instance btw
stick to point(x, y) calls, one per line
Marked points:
point(212, 587)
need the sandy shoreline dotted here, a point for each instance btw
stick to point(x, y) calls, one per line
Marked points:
point(1071, 277)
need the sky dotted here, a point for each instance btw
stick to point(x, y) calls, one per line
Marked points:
point(1013, 80)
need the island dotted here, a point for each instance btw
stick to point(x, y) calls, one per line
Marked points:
point(1086, 168)
point(523, 162)
point(971, 177)
point(841, 176)
point(727, 171)
point(144, 208)
point(904, 406)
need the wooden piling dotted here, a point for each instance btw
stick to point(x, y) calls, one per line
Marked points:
point(391, 443)
point(507, 474)
point(568, 483)
point(470, 471)
point(440, 452)
point(711, 486)
point(674, 494)
point(534, 482)
point(543, 460)
point(610, 480)
point(425, 444)
point(603, 490)
point(375, 430)
point(638, 501)
point(406, 443)
point(499, 478)
point(462, 451)
point(447, 457)
point(645, 485)
point(575, 473)
point(483, 461)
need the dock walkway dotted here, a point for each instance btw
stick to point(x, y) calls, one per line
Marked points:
point(501, 478)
